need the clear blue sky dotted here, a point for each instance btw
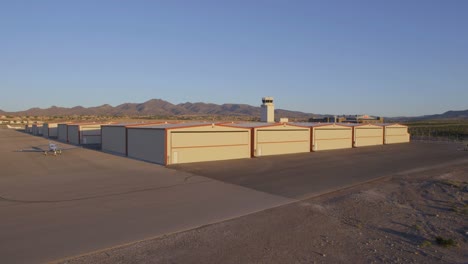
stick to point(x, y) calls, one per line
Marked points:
point(377, 57)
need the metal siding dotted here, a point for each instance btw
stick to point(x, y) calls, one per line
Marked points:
point(62, 132)
point(73, 135)
point(34, 129)
point(396, 130)
point(328, 138)
point(113, 139)
point(368, 136)
point(37, 130)
point(147, 145)
point(53, 131)
point(45, 130)
point(281, 141)
point(205, 128)
point(252, 142)
point(94, 130)
point(208, 138)
point(90, 139)
point(49, 130)
point(222, 144)
point(91, 135)
point(396, 135)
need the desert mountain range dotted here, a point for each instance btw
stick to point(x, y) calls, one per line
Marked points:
point(159, 107)
point(463, 114)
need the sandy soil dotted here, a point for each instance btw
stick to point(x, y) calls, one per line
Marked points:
point(394, 220)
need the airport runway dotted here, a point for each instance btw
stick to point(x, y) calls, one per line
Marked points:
point(85, 200)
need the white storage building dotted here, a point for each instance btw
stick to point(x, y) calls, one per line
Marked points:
point(188, 142)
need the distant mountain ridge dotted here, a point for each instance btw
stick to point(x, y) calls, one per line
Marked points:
point(462, 114)
point(159, 107)
point(449, 115)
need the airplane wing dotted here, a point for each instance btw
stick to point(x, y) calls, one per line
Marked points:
point(46, 148)
point(33, 149)
point(67, 148)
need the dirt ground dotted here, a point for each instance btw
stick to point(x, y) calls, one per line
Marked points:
point(419, 217)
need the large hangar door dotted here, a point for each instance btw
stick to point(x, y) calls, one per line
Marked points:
point(45, 130)
point(114, 139)
point(62, 132)
point(368, 136)
point(73, 134)
point(332, 138)
point(147, 144)
point(396, 135)
point(91, 135)
point(274, 142)
point(195, 146)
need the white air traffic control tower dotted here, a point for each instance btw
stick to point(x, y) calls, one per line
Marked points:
point(268, 110)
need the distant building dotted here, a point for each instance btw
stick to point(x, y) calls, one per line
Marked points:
point(325, 119)
point(361, 119)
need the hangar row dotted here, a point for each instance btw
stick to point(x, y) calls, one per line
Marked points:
point(172, 143)
point(192, 142)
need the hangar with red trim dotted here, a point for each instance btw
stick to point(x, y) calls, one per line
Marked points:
point(277, 138)
point(168, 144)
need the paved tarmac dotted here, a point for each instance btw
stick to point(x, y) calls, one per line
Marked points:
point(299, 176)
point(85, 200)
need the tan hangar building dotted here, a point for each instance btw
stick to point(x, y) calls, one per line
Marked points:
point(83, 134)
point(114, 137)
point(28, 129)
point(80, 133)
point(395, 133)
point(277, 138)
point(36, 129)
point(329, 136)
point(188, 142)
point(367, 135)
point(62, 132)
point(50, 130)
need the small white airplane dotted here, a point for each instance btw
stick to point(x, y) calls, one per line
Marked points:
point(52, 149)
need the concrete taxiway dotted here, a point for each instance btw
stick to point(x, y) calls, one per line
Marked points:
point(299, 176)
point(84, 200)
